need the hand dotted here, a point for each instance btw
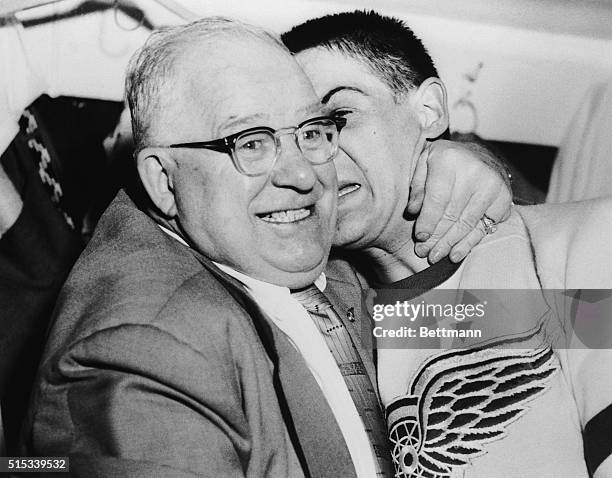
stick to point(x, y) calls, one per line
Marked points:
point(454, 185)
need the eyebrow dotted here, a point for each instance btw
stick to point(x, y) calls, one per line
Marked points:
point(332, 92)
point(235, 121)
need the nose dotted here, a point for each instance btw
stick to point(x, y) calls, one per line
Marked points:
point(292, 170)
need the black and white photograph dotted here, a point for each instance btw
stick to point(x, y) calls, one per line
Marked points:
point(306, 238)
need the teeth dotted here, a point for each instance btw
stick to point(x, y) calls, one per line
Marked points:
point(348, 189)
point(290, 215)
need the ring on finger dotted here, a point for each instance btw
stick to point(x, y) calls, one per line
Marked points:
point(490, 226)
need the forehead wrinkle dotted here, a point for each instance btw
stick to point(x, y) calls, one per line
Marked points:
point(209, 103)
point(228, 112)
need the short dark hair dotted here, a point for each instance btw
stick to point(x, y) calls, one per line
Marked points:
point(385, 44)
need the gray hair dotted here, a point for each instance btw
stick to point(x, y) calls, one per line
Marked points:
point(151, 68)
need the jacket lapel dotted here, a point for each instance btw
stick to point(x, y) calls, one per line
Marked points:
point(311, 424)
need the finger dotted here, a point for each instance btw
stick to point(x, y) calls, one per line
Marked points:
point(437, 197)
point(469, 218)
point(423, 249)
point(466, 232)
point(463, 247)
point(490, 200)
point(417, 186)
point(440, 242)
point(501, 207)
point(458, 223)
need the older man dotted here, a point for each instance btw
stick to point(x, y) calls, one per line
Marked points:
point(480, 411)
point(177, 349)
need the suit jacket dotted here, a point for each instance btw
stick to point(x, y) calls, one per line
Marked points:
point(159, 364)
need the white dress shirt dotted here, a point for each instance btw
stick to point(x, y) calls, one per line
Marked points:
point(293, 319)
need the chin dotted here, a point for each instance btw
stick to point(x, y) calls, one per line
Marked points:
point(308, 262)
point(297, 279)
point(350, 234)
point(303, 263)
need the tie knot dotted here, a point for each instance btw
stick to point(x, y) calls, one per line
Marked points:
point(312, 299)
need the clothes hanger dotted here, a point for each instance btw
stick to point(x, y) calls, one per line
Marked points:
point(9, 7)
point(85, 7)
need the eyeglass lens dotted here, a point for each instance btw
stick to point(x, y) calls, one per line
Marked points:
point(256, 151)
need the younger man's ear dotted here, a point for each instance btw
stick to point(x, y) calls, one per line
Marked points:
point(431, 101)
point(155, 168)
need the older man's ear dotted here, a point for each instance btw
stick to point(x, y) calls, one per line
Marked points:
point(154, 168)
point(430, 101)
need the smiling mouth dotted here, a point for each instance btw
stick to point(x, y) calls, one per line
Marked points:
point(287, 216)
point(348, 189)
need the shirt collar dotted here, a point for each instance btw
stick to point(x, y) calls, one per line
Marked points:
point(173, 235)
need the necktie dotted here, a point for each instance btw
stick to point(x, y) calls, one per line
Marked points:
point(353, 371)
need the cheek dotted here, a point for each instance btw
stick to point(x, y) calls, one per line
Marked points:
point(352, 161)
point(219, 224)
point(209, 199)
point(327, 175)
point(366, 158)
point(189, 191)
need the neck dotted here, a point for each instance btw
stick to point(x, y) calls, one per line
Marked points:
point(394, 259)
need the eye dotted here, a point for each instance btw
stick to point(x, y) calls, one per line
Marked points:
point(311, 134)
point(342, 113)
point(252, 145)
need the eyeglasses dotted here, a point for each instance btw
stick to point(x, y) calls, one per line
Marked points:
point(254, 151)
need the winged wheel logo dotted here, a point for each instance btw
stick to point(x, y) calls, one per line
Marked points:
point(460, 400)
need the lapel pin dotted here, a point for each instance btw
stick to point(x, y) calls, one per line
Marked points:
point(350, 315)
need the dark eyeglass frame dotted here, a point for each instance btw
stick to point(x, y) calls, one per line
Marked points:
point(228, 143)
